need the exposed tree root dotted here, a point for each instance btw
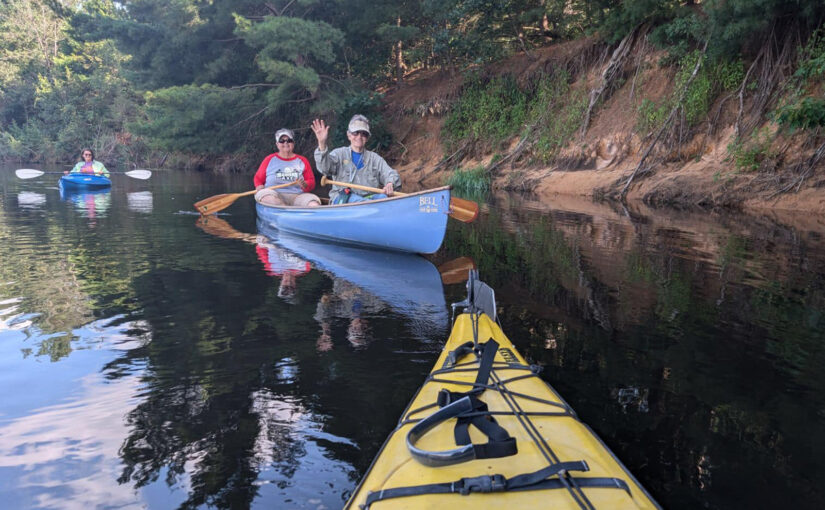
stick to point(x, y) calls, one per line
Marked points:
point(611, 73)
point(670, 118)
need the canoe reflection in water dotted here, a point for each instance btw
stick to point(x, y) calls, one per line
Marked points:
point(281, 263)
point(366, 283)
point(94, 202)
point(349, 302)
point(370, 283)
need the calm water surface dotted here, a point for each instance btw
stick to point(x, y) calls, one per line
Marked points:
point(151, 361)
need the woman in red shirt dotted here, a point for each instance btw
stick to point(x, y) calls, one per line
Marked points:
point(282, 167)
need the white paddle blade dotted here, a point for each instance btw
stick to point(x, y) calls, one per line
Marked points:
point(28, 173)
point(139, 174)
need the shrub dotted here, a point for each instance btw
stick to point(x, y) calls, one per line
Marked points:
point(488, 111)
point(749, 155)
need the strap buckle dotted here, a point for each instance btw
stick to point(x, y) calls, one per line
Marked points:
point(485, 483)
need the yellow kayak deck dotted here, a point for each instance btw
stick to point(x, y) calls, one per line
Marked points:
point(548, 436)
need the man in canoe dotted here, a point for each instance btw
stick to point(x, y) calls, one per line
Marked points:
point(283, 167)
point(353, 164)
point(88, 165)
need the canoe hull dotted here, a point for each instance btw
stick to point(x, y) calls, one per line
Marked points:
point(511, 383)
point(415, 223)
point(77, 181)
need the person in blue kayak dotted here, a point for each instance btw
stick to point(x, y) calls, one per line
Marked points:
point(88, 165)
point(282, 167)
point(353, 164)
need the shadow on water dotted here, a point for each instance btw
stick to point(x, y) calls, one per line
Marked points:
point(163, 365)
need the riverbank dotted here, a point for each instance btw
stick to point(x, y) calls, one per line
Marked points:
point(703, 164)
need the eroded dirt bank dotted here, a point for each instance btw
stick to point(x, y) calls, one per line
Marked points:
point(697, 170)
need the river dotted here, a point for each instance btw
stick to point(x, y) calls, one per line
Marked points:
point(152, 360)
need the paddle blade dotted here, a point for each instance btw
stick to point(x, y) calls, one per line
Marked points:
point(463, 210)
point(139, 174)
point(28, 173)
point(456, 270)
point(217, 203)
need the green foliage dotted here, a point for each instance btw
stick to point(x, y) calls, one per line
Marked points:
point(650, 115)
point(557, 113)
point(291, 50)
point(196, 119)
point(728, 74)
point(471, 180)
point(807, 113)
point(698, 96)
point(369, 105)
point(748, 155)
point(77, 73)
point(802, 111)
point(622, 17)
point(488, 111)
point(738, 23)
point(681, 34)
point(713, 78)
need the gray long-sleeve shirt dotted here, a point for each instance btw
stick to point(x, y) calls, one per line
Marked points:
point(337, 165)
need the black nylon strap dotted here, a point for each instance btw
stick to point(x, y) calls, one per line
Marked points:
point(538, 480)
point(485, 364)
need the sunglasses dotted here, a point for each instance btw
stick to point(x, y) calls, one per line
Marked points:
point(362, 134)
point(286, 140)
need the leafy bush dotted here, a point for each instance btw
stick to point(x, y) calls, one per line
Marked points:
point(557, 112)
point(801, 111)
point(650, 115)
point(749, 155)
point(488, 111)
point(807, 113)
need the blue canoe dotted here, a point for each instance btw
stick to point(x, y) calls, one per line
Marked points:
point(78, 181)
point(414, 223)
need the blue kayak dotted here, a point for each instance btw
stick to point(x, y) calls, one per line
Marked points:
point(414, 223)
point(84, 181)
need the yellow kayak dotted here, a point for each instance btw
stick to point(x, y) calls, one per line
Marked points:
point(485, 431)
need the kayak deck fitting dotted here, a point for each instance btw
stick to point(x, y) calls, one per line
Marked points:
point(485, 431)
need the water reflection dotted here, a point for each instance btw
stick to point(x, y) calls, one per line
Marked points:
point(149, 365)
point(691, 342)
point(94, 203)
point(281, 263)
point(140, 201)
point(30, 200)
point(365, 282)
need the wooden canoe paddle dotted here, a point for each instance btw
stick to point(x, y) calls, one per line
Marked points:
point(217, 203)
point(460, 209)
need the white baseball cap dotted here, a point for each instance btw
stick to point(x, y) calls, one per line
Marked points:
point(284, 131)
point(359, 123)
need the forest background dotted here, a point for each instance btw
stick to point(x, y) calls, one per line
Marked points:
point(205, 83)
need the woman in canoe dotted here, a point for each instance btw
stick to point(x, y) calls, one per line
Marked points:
point(88, 165)
point(354, 164)
point(282, 167)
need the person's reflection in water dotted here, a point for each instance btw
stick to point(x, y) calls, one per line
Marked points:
point(351, 303)
point(280, 262)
